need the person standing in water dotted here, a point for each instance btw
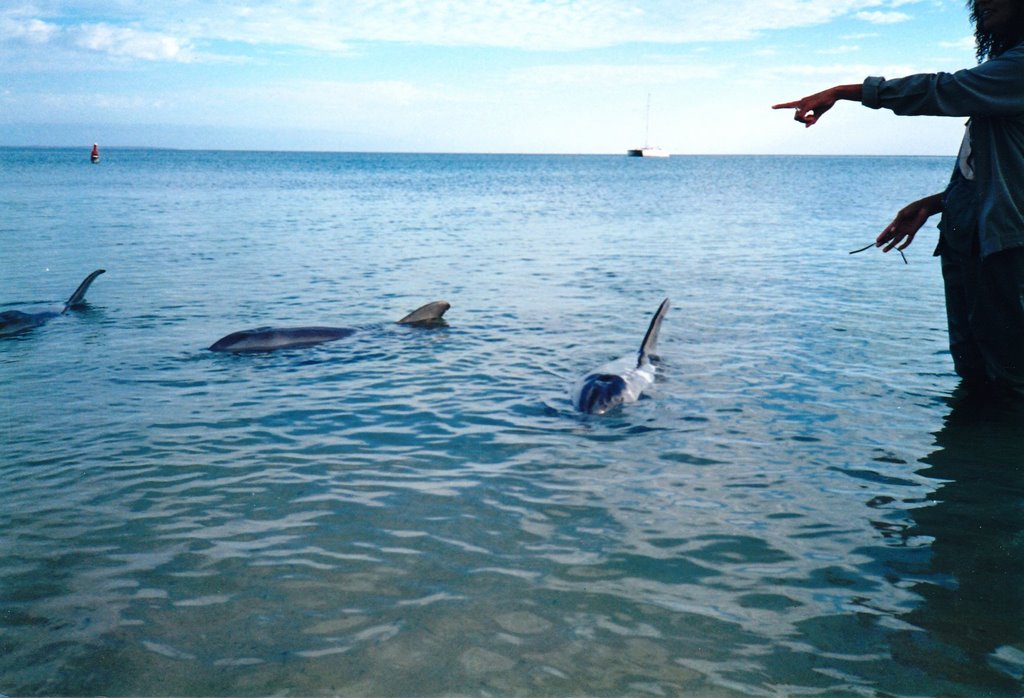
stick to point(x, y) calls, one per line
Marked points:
point(981, 231)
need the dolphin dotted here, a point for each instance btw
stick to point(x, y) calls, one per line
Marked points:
point(264, 339)
point(15, 321)
point(623, 380)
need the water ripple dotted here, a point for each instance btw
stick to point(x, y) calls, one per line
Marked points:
point(796, 507)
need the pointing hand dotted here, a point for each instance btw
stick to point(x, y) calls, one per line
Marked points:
point(809, 109)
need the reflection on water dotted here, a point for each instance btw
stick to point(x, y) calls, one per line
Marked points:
point(938, 607)
point(972, 583)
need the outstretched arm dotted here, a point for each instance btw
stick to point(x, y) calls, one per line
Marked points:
point(810, 108)
point(908, 221)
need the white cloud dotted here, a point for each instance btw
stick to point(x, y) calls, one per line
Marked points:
point(546, 24)
point(21, 26)
point(309, 103)
point(168, 31)
point(837, 50)
point(30, 30)
point(600, 74)
point(835, 73)
point(883, 17)
point(966, 43)
point(130, 43)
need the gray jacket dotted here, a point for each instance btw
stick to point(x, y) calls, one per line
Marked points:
point(992, 95)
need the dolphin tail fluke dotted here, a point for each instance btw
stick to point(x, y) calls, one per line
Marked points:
point(431, 312)
point(79, 295)
point(651, 338)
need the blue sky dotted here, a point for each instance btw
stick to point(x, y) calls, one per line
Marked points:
point(533, 76)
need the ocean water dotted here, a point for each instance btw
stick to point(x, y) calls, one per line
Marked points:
point(802, 504)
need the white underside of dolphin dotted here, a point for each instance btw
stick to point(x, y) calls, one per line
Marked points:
point(15, 321)
point(263, 339)
point(621, 381)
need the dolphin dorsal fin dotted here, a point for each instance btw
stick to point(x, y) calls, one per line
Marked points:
point(431, 312)
point(651, 338)
point(79, 295)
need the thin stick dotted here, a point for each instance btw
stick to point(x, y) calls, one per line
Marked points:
point(868, 247)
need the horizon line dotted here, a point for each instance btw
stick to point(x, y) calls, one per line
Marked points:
point(468, 153)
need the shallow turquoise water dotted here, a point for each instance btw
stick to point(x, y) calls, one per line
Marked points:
point(799, 508)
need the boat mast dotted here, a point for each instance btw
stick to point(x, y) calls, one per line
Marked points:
point(647, 121)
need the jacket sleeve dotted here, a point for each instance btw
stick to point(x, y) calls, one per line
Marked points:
point(994, 88)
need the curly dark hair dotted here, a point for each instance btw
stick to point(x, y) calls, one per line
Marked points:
point(989, 45)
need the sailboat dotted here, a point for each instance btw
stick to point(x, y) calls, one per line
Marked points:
point(95, 156)
point(647, 151)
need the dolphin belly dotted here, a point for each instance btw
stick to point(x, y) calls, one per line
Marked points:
point(611, 386)
point(271, 338)
point(599, 392)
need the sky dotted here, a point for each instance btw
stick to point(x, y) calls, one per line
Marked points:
point(493, 76)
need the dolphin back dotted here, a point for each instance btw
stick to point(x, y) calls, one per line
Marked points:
point(15, 321)
point(650, 343)
point(78, 296)
point(431, 312)
point(265, 339)
point(270, 338)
